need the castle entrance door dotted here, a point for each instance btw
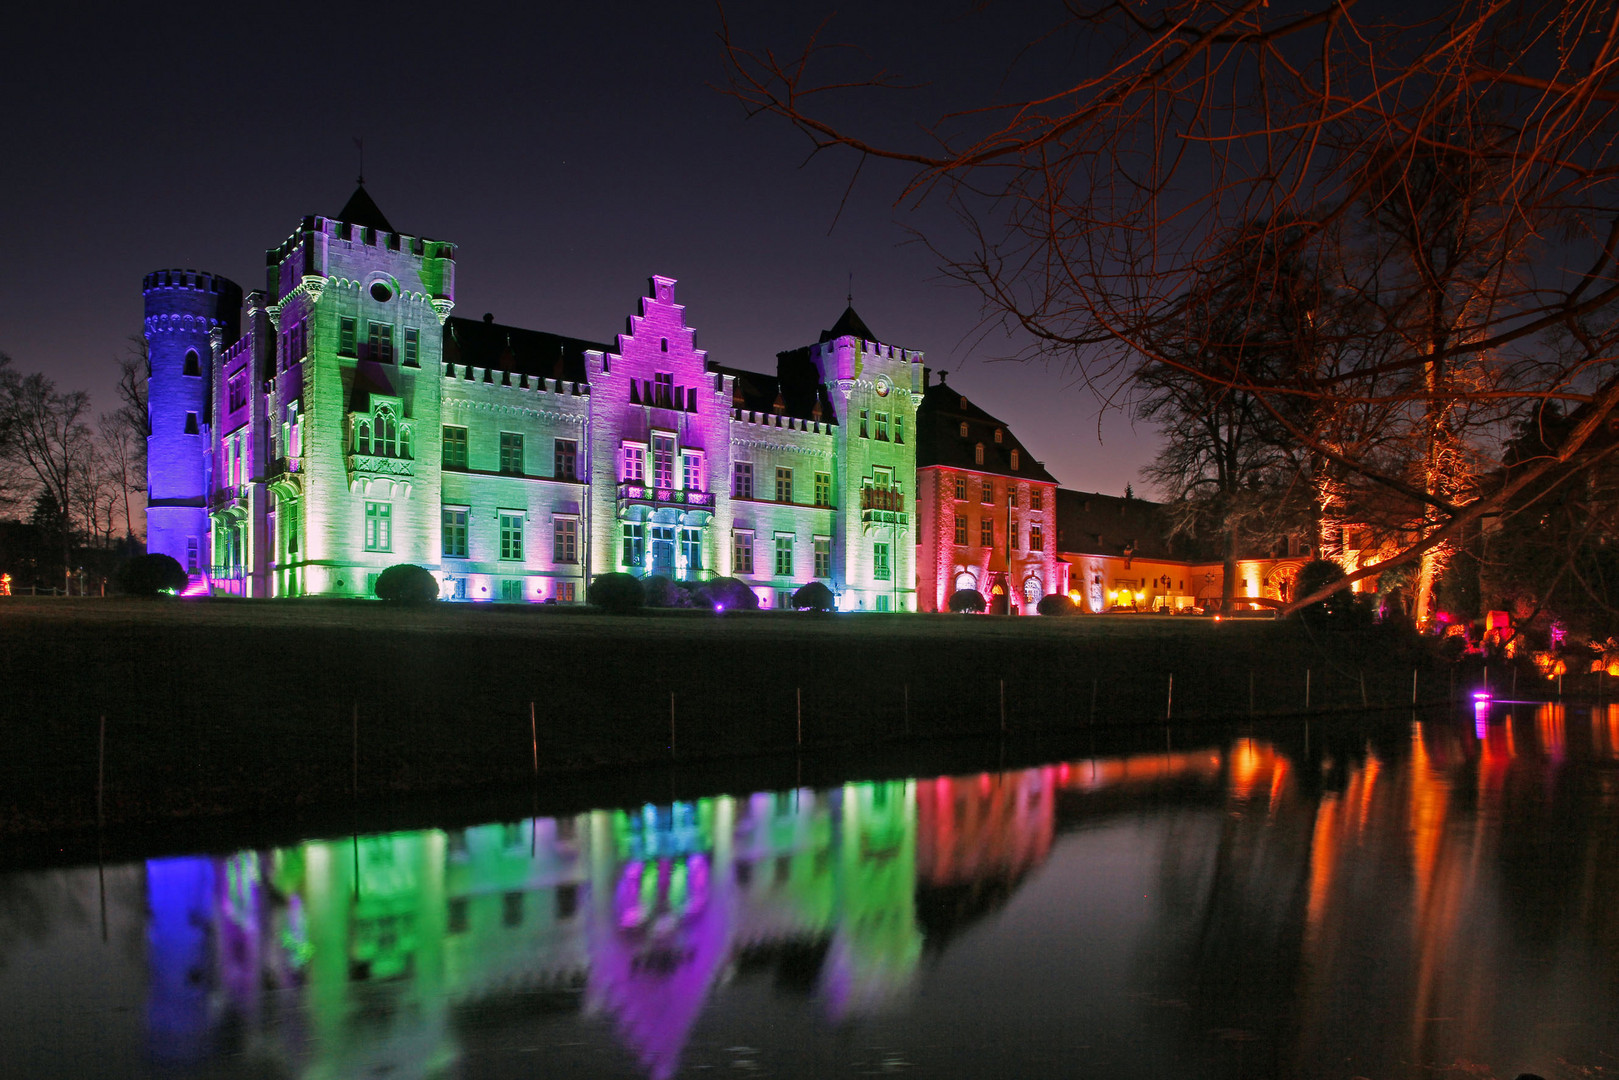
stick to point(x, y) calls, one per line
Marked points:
point(663, 550)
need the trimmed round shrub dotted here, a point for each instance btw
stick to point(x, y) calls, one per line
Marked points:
point(1317, 574)
point(967, 600)
point(148, 575)
point(1055, 604)
point(660, 592)
point(407, 583)
point(814, 597)
point(619, 594)
point(729, 594)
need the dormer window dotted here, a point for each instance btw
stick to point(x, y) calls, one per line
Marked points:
point(978, 454)
point(964, 429)
point(964, 406)
point(997, 436)
point(1014, 460)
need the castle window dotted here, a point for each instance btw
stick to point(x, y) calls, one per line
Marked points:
point(455, 447)
point(191, 423)
point(663, 345)
point(634, 543)
point(511, 453)
point(632, 468)
point(863, 415)
point(1016, 538)
point(380, 343)
point(961, 486)
point(986, 532)
point(1037, 540)
point(362, 438)
point(380, 292)
point(961, 529)
point(978, 454)
point(511, 535)
point(663, 390)
point(413, 348)
point(384, 433)
point(1014, 460)
point(988, 497)
point(823, 489)
point(964, 429)
point(784, 485)
point(345, 337)
point(565, 540)
point(289, 527)
point(691, 471)
point(899, 427)
point(404, 442)
point(691, 551)
point(879, 561)
point(565, 460)
point(663, 461)
point(964, 404)
point(784, 555)
point(1037, 499)
point(192, 366)
point(379, 526)
point(238, 391)
point(455, 532)
point(742, 553)
point(882, 426)
point(823, 556)
point(742, 480)
point(997, 436)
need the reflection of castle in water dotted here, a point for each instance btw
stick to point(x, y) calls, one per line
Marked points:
point(364, 957)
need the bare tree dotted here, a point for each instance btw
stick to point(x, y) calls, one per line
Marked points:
point(1462, 158)
point(50, 445)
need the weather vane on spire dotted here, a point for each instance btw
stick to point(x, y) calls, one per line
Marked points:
point(359, 144)
point(851, 288)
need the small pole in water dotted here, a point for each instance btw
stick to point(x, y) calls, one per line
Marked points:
point(1306, 689)
point(671, 723)
point(1169, 703)
point(1514, 682)
point(1250, 693)
point(1363, 702)
point(1093, 701)
point(1003, 706)
point(1559, 684)
point(1413, 686)
point(800, 695)
point(101, 774)
point(1486, 678)
point(534, 739)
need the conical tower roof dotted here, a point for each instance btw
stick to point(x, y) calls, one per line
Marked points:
point(362, 210)
point(849, 324)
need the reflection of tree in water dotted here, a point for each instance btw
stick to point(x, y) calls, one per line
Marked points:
point(1226, 949)
point(36, 906)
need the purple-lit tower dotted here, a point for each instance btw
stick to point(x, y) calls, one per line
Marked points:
point(190, 316)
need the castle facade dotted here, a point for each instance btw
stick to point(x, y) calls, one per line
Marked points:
point(342, 419)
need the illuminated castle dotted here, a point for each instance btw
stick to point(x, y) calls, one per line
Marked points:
point(350, 422)
point(342, 420)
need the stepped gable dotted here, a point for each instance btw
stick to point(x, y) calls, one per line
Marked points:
point(363, 211)
point(1090, 523)
point(939, 441)
point(487, 344)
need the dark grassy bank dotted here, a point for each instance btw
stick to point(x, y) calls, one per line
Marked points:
point(248, 708)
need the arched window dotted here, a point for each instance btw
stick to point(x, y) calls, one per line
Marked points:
point(362, 438)
point(978, 454)
point(404, 443)
point(964, 429)
point(384, 444)
point(1014, 459)
point(192, 366)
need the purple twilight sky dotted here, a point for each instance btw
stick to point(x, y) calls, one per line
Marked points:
point(569, 154)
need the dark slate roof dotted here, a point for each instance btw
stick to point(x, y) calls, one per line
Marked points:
point(1090, 523)
point(488, 344)
point(362, 210)
point(849, 324)
point(939, 440)
point(788, 393)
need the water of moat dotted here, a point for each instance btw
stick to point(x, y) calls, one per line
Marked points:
point(1409, 899)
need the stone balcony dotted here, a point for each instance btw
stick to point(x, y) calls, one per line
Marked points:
point(661, 496)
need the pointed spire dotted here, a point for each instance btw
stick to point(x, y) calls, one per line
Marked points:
point(362, 210)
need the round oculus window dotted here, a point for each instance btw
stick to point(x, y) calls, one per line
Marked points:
point(882, 387)
point(381, 292)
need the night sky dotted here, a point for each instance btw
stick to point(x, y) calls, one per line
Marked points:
point(569, 154)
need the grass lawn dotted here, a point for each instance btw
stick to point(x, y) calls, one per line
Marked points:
point(223, 706)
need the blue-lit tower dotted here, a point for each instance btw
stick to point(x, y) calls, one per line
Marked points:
point(190, 316)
